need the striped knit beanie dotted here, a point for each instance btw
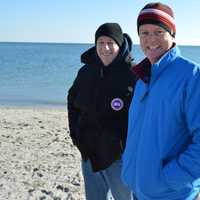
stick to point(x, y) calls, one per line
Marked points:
point(158, 14)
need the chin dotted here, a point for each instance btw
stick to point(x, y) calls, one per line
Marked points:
point(106, 63)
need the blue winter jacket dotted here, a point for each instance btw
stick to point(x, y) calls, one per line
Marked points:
point(162, 156)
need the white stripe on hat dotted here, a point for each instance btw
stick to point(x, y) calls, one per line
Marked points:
point(158, 12)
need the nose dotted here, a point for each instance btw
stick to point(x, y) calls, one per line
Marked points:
point(152, 37)
point(106, 47)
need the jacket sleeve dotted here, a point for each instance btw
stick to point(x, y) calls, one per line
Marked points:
point(73, 111)
point(186, 168)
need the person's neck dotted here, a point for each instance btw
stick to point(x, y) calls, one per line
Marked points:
point(155, 61)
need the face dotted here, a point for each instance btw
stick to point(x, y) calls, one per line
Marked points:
point(107, 49)
point(154, 41)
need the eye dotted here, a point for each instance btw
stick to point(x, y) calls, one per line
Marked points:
point(100, 43)
point(159, 33)
point(110, 43)
point(143, 33)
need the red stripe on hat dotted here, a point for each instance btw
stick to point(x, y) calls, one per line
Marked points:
point(158, 12)
point(159, 18)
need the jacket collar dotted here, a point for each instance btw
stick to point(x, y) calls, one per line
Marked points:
point(146, 71)
point(142, 70)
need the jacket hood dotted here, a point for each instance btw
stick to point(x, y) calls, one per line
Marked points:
point(90, 56)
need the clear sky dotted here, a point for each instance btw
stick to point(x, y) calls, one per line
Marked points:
point(76, 21)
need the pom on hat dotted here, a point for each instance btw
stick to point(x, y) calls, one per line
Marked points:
point(112, 30)
point(158, 14)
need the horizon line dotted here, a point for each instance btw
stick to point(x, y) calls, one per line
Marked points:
point(76, 43)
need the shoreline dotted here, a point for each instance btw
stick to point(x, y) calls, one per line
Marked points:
point(37, 158)
point(36, 107)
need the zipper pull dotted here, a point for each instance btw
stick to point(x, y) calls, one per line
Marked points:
point(144, 96)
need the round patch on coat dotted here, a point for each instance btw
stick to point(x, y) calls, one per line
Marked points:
point(117, 104)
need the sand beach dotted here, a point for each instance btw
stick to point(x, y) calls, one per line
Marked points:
point(37, 158)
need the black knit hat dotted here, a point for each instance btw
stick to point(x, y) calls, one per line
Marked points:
point(112, 30)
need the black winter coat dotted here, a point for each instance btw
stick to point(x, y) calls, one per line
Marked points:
point(98, 104)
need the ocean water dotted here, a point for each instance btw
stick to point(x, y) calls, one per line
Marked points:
point(39, 74)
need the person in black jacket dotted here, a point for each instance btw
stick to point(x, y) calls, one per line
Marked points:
point(98, 103)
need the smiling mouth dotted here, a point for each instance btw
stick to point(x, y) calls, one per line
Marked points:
point(152, 47)
point(106, 55)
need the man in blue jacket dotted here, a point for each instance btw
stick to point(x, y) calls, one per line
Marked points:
point(162, 155)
